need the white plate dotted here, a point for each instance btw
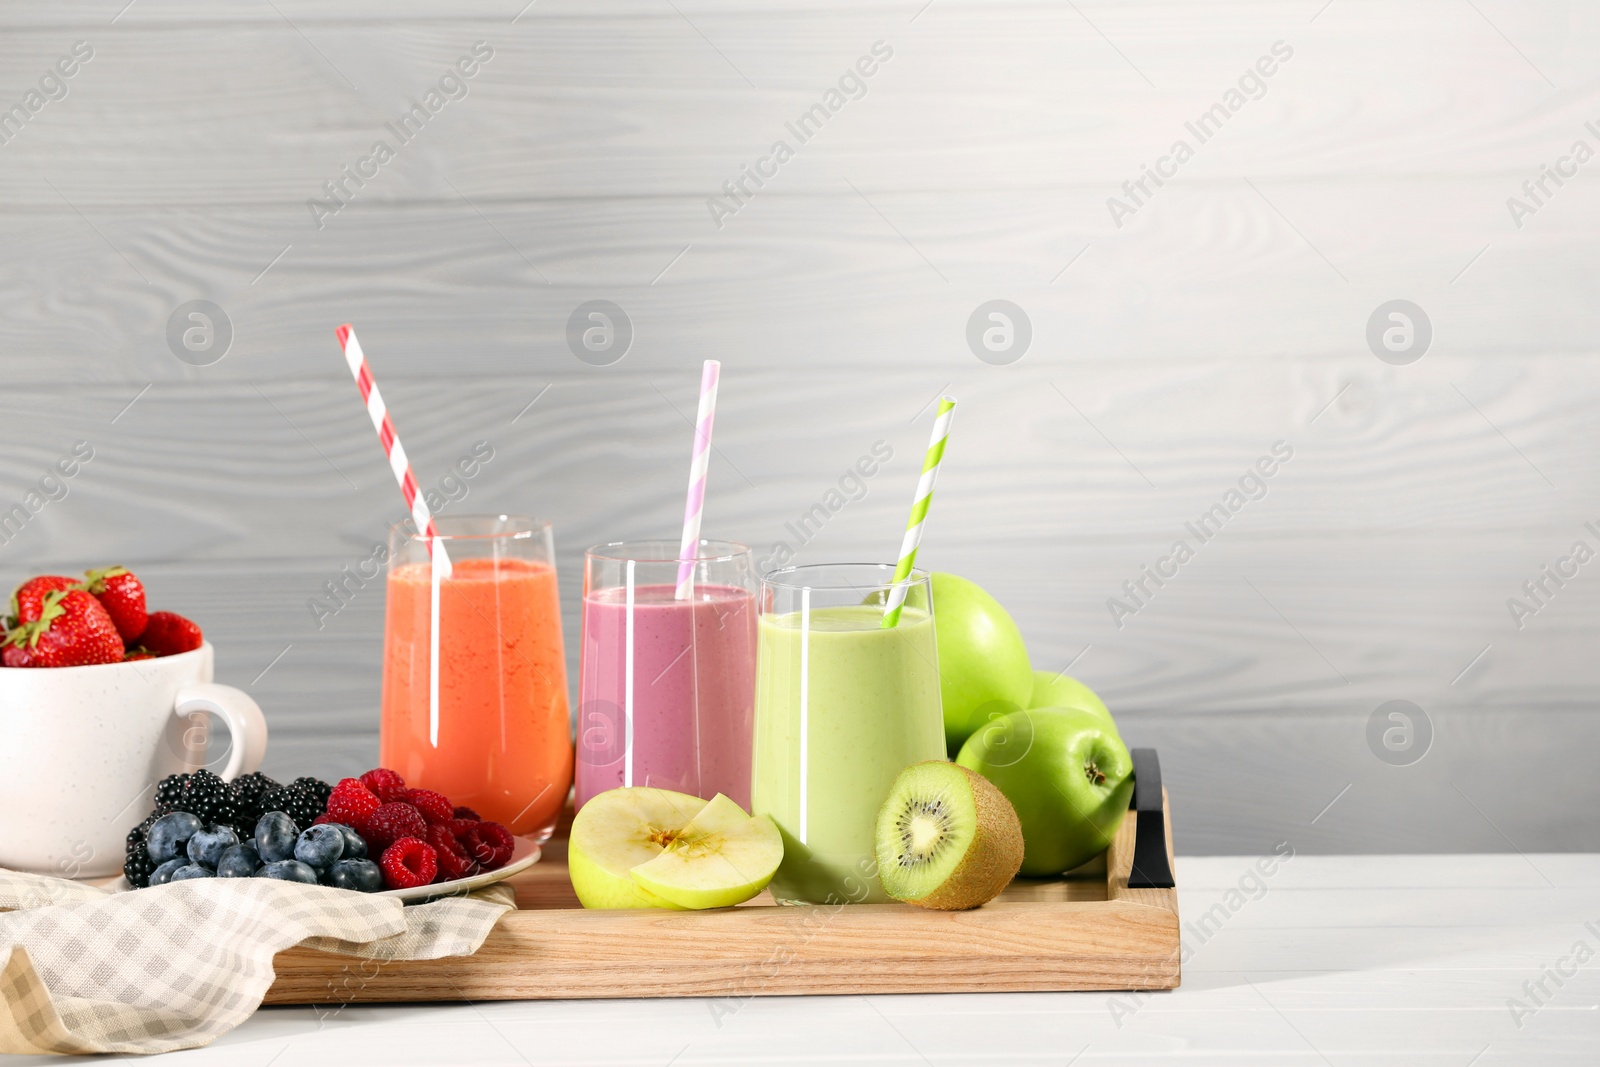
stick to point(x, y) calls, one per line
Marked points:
point(523, 856)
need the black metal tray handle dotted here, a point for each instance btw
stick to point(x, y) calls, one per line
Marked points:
point(1150, 867)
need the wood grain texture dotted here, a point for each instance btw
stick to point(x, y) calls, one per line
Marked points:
point(616, 100)
point(808, 283)
point(1167, 354)
point(1089, 934)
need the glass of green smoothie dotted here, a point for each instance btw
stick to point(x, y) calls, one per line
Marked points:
point(843, 705)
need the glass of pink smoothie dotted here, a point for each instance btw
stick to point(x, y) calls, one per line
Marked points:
point(666, 685)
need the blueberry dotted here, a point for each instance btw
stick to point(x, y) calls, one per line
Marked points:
point(170, 834)
point(288, 871)
point(319, 847)
point(361, 875)
point(193, 870)
point(355, 846)
point(163, 874)
point(240, 861)
point(207, 846)
point(275, 836)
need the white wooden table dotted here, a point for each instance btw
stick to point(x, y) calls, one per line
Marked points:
point(1331, 960)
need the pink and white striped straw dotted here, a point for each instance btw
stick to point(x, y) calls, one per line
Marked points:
point(701, 460)
point(392, 448)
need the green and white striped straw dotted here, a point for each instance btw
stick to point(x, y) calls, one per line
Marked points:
point(919, 511)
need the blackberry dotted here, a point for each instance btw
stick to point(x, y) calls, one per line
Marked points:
point(169, 793)
point(248, 792)
point(298, 803)
point(209, 798)
point(137, 836)
point(317, 788)
point(138, 867)
point(136, 863)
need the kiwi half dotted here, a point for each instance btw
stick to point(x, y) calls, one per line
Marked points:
point(946, 838)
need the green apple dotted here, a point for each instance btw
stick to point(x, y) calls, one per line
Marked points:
point(1052, 690)
point(1068, 775)
point(721, 858)
point(615, 832)
point(983, 664)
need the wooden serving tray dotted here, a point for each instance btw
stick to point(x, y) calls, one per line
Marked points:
point(1087, 930)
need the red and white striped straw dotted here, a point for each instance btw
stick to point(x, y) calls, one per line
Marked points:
point(414, 500)
point(701, 460)
point(392, 447)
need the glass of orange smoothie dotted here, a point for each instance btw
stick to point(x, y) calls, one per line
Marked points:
point(499, 741)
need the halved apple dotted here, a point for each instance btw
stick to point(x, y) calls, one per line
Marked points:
point(615, 832)
point(721, 858)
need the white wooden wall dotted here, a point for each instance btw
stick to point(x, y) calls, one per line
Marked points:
point(1168, 354)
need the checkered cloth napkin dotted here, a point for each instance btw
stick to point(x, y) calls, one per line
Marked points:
point(176, 966)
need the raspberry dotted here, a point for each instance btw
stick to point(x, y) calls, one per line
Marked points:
point(462, 830)
point(468, 813)
point(490, 844)
point(390, 823)
point(435, 807)
point(385, 784)
point(409, 863)
point(351, 802)
point(453, 859)
point(323, 819)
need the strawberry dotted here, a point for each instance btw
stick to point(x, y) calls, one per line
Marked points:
point(28, 601)
point(168, 633)
point(122, 595)
point(16, 656)
point(139, 653)
point(72, 630)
